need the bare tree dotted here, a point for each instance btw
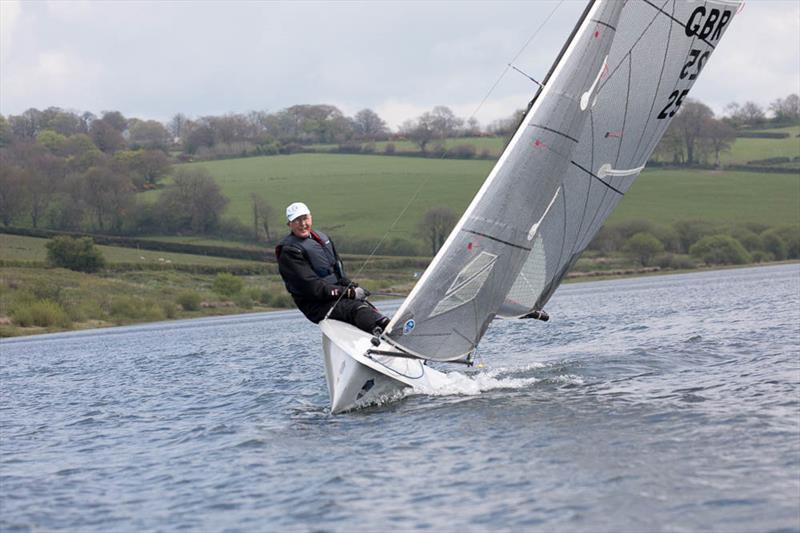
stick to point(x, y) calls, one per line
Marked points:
point(108, 193)
point(116, 120)
point(148, 134)
point(670, 148)
point(749, 114)
point(262, 213)
point(690, 123)
point(435, 226)
point(419, 131)
point(720, 137)
point(444, 122)
point(473, 128)
point(106, 136)
point(27, 125)
point(60, 121)
point(508, 125)
point(195, 201)
point(12, 192)
point(42, 174)
point(786, 109)
point(369, 126)
point(6, 134)
point(176, 125)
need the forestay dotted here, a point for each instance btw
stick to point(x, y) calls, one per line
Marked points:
point(603, 108)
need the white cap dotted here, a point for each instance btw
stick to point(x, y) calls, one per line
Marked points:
point(297, 209)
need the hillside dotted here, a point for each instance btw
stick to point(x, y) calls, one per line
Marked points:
point(360, 196)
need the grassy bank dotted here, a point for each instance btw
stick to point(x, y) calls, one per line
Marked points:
point(32, 249)
point(359, 197)
point(36, 299)
point(150, 287)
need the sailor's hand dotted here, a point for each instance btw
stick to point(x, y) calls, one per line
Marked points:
point(357, 293)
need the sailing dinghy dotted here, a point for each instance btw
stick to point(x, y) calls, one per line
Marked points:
point(592, 125)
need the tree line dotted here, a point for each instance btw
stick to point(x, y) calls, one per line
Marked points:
point(697, 136)
point(73, 171)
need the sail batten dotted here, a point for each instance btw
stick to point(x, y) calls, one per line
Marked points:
point(601, 108)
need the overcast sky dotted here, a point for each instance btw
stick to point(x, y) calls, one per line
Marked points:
point(155, 59)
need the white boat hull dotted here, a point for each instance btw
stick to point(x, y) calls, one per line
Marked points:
point(358, 379)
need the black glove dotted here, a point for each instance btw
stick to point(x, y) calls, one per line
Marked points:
point(357, 293)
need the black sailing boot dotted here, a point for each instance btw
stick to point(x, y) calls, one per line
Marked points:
point(378, 329)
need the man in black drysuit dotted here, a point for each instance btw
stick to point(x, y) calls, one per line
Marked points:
point(313, 275)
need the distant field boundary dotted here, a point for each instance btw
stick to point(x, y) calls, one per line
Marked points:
point(756, 168)
point(267, 255)
point(452, 155)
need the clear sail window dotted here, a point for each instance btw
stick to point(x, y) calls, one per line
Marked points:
point(467, 283)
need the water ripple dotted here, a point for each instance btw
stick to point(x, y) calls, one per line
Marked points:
point(617, 417)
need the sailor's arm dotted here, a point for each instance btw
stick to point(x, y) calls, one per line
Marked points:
point(293, 266)
point(343, 279)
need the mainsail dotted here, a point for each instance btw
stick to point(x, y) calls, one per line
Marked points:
point(590, 129)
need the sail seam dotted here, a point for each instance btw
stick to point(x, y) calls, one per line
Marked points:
point(674, 19)
point(551, 130)
point(638, 39)
point(606, 24)
point(588, 193)
point(598, 178)
point(478, 233)
point(651, 145)
point(658, 86)
point(564, 226)
point(627, 106)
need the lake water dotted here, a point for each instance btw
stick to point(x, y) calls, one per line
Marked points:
point(666, 403)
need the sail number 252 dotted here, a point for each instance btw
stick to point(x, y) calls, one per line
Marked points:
point(674, 103)
point(691, 70)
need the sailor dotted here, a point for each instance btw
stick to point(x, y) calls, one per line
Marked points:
point(314, 276)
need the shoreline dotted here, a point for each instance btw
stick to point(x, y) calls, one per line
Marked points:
point(18, 331)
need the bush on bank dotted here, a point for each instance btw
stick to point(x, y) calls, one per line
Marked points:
point(720, 250)
point(74, 253)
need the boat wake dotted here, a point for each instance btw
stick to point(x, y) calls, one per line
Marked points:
point(461, 384)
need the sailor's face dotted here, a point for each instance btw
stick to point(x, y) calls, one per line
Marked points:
point(301, 226)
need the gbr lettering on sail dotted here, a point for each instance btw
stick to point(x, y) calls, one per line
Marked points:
point(706, 25)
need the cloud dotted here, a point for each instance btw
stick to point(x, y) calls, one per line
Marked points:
point(9, 15)
point(154, 59)
point(759, 58)
point(55, 78)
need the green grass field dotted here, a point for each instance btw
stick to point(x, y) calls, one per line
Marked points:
point(664, 196)
point(353, 195)
point(742, 151)
point(361, 196)
point(494, 144)
point(745, 149)
point(20, 248)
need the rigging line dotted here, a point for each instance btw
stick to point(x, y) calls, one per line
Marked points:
point(598, 178)
point(426, 180)
point(526, 75)
point(514, 59)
